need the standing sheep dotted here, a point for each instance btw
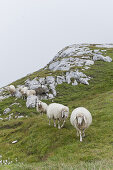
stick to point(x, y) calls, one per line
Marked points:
point(41, 107)
point(23, 91)
point(81, 119)
point(58, 112)
point(11, 89)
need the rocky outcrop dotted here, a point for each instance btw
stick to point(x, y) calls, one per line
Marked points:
point(70, 62)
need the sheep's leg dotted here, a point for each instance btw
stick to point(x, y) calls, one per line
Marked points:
point(63, 124)
point(83, 133)
point(80, 136)
point(54, 123)
point(58, 124)
point(77, 133)
point(49, 122)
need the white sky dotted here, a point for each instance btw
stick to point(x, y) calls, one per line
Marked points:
point(33, 31)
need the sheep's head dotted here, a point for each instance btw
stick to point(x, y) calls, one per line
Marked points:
point(39, 103)
point(65, 112)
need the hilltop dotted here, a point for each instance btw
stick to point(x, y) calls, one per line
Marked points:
point(79, 75)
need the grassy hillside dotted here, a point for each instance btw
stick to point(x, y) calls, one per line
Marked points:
point(43, 147)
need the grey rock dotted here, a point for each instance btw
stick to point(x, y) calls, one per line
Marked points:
point(53, 65)
point(18, 94)
point(31, 101)
point(42, 81)
point(50, 80)
point(84, 81)
point(89, 62)
point(6, 111)
point(60, 79)
point(32, 84)
point(101, 57)
point(50, 96)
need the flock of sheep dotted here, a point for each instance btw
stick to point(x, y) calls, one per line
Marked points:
point(80, 118)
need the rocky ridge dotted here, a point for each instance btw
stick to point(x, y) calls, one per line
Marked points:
point(71, 62)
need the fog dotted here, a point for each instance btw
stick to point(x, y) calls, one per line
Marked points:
point(33, 31)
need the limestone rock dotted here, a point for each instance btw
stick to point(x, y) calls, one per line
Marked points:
point(31, 101)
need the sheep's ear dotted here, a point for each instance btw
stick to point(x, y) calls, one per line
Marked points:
point(84, 119)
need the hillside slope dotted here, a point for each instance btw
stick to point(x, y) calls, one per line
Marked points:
point(36, 142)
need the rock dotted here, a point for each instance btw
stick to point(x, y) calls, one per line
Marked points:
point(50, 80)
point(75, 83)
point(4, 97)
point(6, 111)
point(96, 50)
point(14, 142)
point(50, 96)
point(84, 81)
point(32, 84)
point(89, 62)
point(31, 101)
point(60, 79)
point(42, 81)
point(69, 75)
point(105, 45)
point(18, 94)
point(53, 65)
point(101, 57)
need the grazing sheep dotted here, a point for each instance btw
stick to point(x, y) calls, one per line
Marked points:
point(41, 107)
point(11, 89)
point(81, 119)
point(31, 92)
point(58, 112)
point(23, 91)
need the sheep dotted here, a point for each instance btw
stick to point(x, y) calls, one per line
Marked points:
point(57, 112)
point(41, 107)
point(81, 119)
point(11, 89)
point(23, 91)
point(31, 92)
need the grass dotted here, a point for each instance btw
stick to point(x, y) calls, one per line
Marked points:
point(42, 147)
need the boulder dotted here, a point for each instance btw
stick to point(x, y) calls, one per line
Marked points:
point(6, 111)
point(31, 101)
point(18, 94)
point(101, 57)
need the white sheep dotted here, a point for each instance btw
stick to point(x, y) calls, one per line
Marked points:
point(23, 91)
point(58, 112)
point(81, 119)
point(11, 89)
point(31, 92)
point(41, 107)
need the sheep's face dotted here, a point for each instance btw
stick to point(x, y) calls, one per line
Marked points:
point(39, 104)
point(65, 113)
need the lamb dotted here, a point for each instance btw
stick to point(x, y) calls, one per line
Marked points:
point(31, 92)
point(41, 107)
point(57, 112)
point(11, 89)
point(81, 119)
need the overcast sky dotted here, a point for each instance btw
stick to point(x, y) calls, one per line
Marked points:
point(33, 31)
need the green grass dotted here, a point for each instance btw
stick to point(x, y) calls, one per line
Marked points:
point(43, 147)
